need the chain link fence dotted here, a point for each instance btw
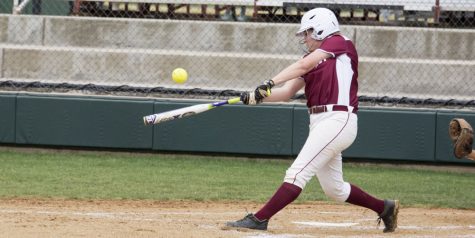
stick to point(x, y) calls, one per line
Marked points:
point(412, 52)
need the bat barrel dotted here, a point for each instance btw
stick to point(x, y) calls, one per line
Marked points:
point(184, 112)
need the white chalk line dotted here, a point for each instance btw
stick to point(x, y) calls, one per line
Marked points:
point(324, 224)
point(355, 226)
point(278, 236)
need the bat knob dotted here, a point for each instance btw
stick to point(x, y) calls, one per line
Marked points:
point(148, 120)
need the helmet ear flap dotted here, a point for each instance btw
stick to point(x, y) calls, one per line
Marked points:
point(316, 35)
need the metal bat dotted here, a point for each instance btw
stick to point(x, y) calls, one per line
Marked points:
point(184, 112)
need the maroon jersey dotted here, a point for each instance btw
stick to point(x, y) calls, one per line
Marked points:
point(334, 81)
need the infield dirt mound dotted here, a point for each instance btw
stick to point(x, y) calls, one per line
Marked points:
point(71, 218)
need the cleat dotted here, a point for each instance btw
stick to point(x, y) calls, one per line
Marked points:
point(248, 222)
point(389, 215)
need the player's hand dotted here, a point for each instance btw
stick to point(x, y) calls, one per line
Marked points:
point(261, 92)
point(264, 90)
point(248, 98)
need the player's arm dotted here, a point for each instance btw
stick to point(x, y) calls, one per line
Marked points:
point(287, 91)
point(301, 67)
point(295, 70)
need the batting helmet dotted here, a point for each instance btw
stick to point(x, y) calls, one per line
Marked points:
point(323, 22)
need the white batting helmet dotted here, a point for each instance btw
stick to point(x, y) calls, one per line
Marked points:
point(323, 22)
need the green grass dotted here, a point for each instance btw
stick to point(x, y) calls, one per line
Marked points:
point(106, 175)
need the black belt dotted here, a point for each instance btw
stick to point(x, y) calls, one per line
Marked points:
point(324, 108)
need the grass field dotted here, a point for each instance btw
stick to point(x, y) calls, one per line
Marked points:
point(67, 174)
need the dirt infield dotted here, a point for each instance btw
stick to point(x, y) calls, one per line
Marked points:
point(59, 218)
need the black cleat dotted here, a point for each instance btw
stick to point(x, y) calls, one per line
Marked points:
point(248, 222)
point(389, 215)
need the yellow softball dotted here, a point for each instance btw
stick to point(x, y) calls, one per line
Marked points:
point(179, 75)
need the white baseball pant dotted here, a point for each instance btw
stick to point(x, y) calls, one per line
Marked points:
point(330, 133)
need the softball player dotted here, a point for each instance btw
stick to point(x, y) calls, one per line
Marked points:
point(329, 73)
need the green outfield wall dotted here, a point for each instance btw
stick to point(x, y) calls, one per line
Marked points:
point(7, 118)
point(277, 129)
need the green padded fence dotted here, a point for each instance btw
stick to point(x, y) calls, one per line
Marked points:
point(280, 130)
point(230, 129)
point(383, 134)
point(7, 118)
point(83, 121)
point(395, 135)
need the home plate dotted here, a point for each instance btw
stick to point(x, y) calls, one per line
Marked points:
point(324, 224)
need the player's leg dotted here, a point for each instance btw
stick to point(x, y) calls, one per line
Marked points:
point(331, 180)
point(297, 176)
point(330, 177)
point(387, 210)
point(285, 194)
point(329, 134)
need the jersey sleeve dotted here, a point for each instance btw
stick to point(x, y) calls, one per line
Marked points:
point(335, 45)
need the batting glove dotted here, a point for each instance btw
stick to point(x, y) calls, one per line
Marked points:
point(251, 98)
point(248, 99)
point(261, 92)
point(267, 85)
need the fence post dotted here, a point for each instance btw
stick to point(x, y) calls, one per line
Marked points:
point(76, 7)
point(436, 10)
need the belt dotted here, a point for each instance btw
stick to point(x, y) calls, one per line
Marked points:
point(325, 108)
